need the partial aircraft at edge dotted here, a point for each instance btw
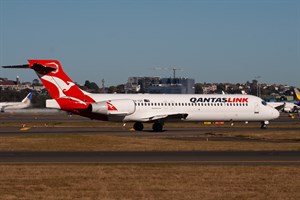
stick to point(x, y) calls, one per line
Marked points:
point(25, 103)
point(140, 108)
point(297, 94)
point(287, 106)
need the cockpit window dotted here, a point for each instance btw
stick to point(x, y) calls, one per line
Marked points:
point(264, 103)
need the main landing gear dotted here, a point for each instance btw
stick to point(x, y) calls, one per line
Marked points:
point(157, 126)
point(138, 126)
point(264, 124)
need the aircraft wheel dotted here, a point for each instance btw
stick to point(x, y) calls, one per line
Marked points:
point(263, 125)
point(157, 127)
point(138, 126)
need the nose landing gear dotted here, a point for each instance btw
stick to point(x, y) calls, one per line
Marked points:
point(264, 124)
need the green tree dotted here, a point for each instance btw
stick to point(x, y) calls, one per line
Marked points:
point(198, 88)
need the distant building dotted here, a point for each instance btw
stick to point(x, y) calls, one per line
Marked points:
point(140, 84)
point(209, 88)
point(174, 86)
point(17, 85)
point(159, 85)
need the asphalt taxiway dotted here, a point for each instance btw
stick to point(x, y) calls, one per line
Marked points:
point(155, 157)
point(41, 116)
point(199, 157)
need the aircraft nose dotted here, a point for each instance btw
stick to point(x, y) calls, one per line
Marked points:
point(275, 113)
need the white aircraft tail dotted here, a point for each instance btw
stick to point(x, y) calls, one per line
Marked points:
point(297, 94)
point(28, 98)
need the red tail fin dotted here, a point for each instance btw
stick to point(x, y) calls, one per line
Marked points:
point(56, 81)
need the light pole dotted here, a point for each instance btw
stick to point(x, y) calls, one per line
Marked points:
point(257, 85)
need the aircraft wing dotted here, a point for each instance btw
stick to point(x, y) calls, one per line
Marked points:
point(280, 107)
point(171, 116)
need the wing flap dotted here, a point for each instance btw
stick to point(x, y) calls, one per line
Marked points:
point(166, 117)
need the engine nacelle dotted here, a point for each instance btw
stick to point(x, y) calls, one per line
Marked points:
point(113, 107)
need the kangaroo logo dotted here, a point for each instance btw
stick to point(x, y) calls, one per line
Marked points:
point(59, 84)
point(68, 86)
point(110, 106)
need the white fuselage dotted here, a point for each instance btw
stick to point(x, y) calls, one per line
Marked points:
point(13, 105)
point(149, 107)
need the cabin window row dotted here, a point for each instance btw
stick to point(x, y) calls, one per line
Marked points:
point(191, 104)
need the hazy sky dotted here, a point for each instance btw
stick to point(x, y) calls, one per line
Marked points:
point(212, 40)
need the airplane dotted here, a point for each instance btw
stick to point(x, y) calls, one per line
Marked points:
point(284, 106)
point(26, 102)
point(143, 108)
point(297, 94)
point(288, 106)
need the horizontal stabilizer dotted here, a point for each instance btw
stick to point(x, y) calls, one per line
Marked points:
point(43, 69)
point(16, 66)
